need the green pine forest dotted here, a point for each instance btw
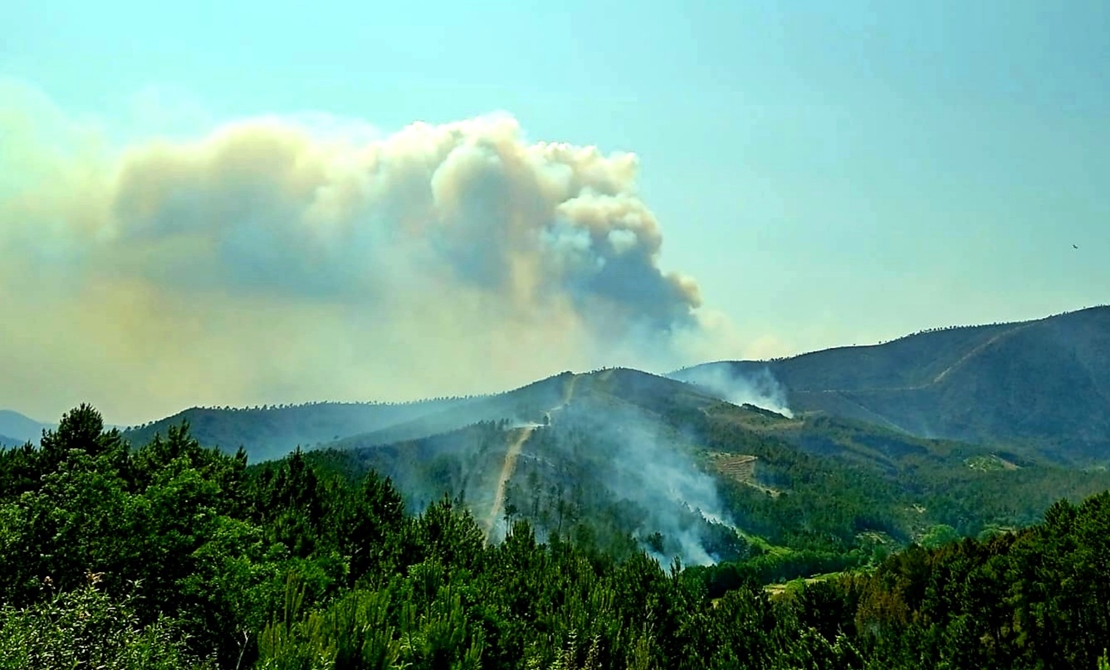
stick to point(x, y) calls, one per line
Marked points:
point(171, 554)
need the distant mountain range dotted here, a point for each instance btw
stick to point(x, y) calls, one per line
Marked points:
point(17, 429)
point(1041, 385)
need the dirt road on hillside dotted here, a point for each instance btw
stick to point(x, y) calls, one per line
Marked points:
point(520, 436)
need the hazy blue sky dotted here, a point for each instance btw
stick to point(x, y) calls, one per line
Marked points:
point(830, 172)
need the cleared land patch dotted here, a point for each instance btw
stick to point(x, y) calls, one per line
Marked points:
point(739, 468)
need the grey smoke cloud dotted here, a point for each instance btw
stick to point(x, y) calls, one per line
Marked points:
point(271, 262)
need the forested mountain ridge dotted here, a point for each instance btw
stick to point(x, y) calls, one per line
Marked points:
point(1042, 385)
point(273, 431)
point(171, 555)
point(621, 453)
point(626, 454)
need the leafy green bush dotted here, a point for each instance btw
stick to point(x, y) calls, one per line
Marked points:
point(85, 628)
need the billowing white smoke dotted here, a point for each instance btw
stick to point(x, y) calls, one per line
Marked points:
point(674, 478)
point(266, 262)
point(760, 389)
point(659, 475)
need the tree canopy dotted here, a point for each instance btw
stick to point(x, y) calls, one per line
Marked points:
point(173, 555)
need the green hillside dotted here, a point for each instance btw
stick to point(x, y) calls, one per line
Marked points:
point(599, 455)
point(624, 454)
point(1041, 386)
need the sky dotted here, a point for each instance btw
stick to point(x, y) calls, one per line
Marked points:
point(246, 203)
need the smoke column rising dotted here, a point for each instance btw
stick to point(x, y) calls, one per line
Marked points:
point(278, 260)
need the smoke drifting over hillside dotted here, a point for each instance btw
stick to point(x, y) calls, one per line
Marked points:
point(641, 461)
point(272, 261)
point(662, 478)
point(760, 389)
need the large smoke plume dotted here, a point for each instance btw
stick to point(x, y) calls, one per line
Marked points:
point(272, 261)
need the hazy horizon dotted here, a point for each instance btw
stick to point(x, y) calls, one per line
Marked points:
point(254, 205)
